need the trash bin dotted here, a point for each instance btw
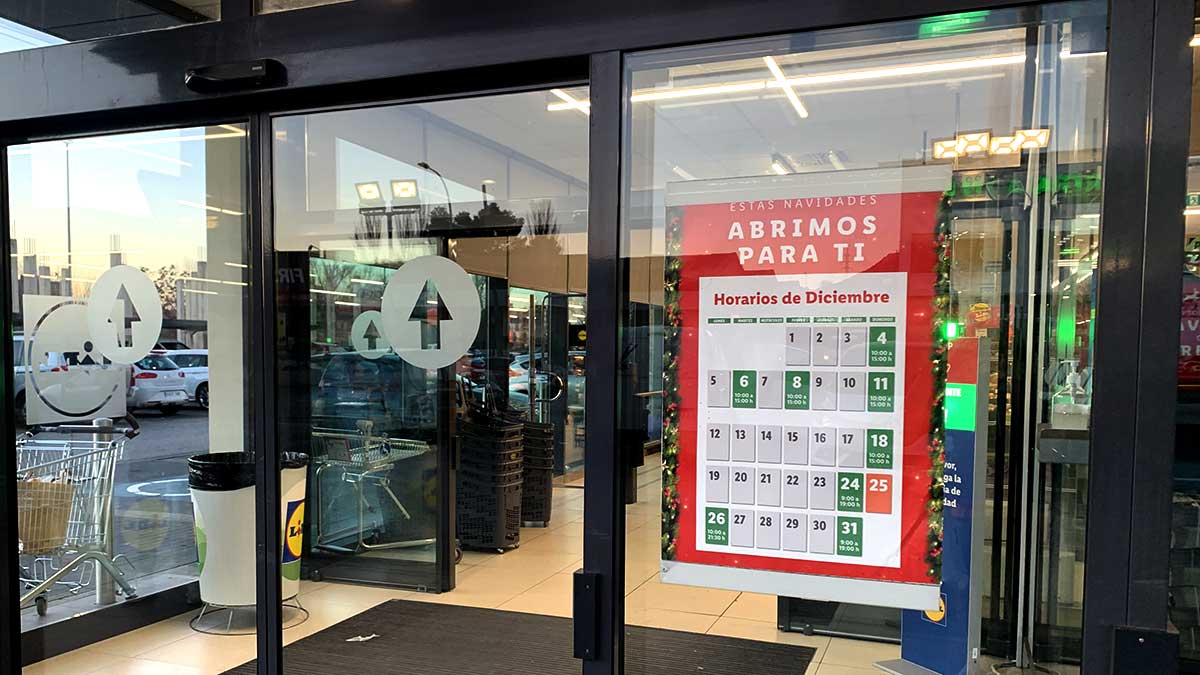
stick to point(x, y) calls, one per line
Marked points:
point(222, 487)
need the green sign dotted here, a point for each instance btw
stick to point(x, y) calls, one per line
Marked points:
point(952, 24)
point(960, 406)
point(1193, 199)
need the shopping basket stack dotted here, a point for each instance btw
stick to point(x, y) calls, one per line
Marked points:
point(536, 498)
point(489, 483)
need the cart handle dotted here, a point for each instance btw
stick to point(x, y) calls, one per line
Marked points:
point(131, 431)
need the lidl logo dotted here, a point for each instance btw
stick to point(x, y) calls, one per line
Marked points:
point(938, 615)
point(293, 532)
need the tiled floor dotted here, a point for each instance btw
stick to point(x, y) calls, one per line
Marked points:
point(535, 578)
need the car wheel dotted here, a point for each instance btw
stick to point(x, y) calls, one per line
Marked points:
point(168, 410)
point(202, 395)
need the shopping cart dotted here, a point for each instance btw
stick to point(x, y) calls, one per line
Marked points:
point(64, 510)
point(361, 459)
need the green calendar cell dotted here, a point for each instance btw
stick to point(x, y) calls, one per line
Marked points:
point(716, 526)
point(850, 536)
point(795, 393)
point(744, 389)
point(881, 392)
point(879, 448)
point(881, 344)
point(850, 492)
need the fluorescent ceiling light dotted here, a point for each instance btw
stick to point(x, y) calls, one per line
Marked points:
point(778, 168)
point(343, 303)
point(205, 207)
point(1191, 212)
point(787, 89)
point(323, 292)
point(1195, 41)
point(239, 265)
point(570, 102)
point(679, 171)
point(199, 291)
point(668, 93)
point(369, 282)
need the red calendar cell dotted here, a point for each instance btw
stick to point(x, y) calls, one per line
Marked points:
point(879, 493)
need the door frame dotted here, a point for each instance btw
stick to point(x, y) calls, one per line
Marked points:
point(382, 46)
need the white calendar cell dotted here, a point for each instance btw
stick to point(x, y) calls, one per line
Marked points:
point(770, 442)
point(716, 487)
point(822, 447)
point(822, 493)
point(742, 482)
point(824, 390)
point(795, 445)
point(852, 390)
point(851, 447)
point(795, 532)
point(770, 389)
point(795, 489)
point(768, 487)
point(766, 530)
point(718, 388)
point(741, 442)
point(825, 345)
point(799, 350)
point(717, 443)
point(852, 343)
point(741, 528)
point(821, 534)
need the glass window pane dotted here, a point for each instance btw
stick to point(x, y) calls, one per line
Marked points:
point(127, 248)
point(809, 219)
point(28, 25)
point(1184, 575)
point(432, 299)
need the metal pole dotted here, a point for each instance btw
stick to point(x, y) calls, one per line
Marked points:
point(105, 591)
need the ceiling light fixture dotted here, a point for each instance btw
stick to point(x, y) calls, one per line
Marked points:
point(787, 89)
point(368, 192)
point(571, 102)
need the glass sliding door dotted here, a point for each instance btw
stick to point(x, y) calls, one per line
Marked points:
point(772, 186)
point(431, 276)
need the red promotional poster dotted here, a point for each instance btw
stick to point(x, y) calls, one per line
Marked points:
point(803, 377)
point(1189, 333)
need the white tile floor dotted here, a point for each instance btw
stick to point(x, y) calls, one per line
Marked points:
point(535, 578)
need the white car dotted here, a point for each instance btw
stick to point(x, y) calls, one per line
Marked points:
point(156, 382)
point(194, 363)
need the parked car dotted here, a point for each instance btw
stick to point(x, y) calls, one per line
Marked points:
point(169, 346)
point(194, 363)
point(156, 382)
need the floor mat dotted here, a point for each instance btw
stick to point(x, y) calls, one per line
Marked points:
point(421, 638)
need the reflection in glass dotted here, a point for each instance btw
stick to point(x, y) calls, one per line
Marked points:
point(138, 242)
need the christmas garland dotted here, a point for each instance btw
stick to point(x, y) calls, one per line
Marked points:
point(672, 327)
point(937, 414)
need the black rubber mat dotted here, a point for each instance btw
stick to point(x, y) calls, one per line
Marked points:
point(421, 638)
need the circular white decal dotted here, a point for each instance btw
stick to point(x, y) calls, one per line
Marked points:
point(124, 314)
point(431, 311)
point(366, 335)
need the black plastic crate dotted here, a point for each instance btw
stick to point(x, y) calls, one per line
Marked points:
point(489, 518)
point(537, 496)
point(538, 464)
point(477, 476)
